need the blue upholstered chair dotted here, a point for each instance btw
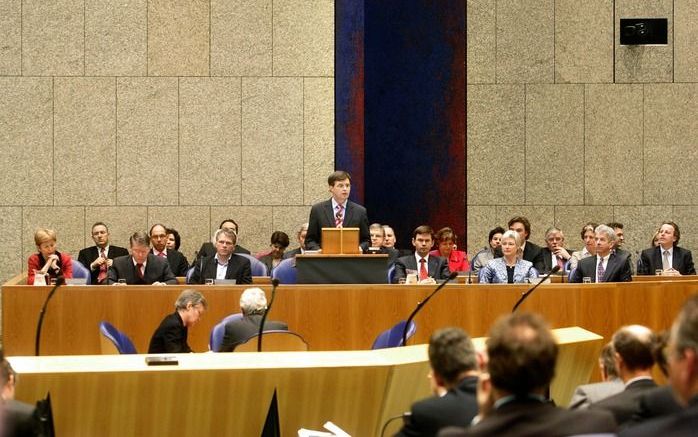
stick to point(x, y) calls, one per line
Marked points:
point(393, 337)
point(113, 340)
point(215, 340)
point(82, 272)
point(286, 272)
point(257, 266)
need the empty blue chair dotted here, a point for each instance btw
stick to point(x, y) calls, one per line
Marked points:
point(257, 266)
point(80, 271)
point(286, 272)
point(393, 337)
point(215, 340)
point(118, 339)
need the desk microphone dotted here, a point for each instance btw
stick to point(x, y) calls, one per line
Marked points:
point(60, 280)
point(525, 294)
point(452, 276)
point(470, 272)
point(274, 284)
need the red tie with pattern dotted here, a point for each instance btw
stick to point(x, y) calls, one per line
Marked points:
point(339, 217)
point(139, 271)
point(423, 269)
point(102, 269)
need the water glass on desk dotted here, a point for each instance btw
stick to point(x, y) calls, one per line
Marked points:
point(586, 280)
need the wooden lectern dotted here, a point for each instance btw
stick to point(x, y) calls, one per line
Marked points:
point(340, 241)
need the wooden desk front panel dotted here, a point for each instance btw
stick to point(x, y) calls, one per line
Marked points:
point(330, 317)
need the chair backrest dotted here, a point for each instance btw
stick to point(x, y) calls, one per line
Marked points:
point(190, 272)
point(393, 337)
point(257, 266)
point(275, 341)
point(80, 271)
point(391, 274)
point(216, 338)
point(118, 340)
point(286, 272)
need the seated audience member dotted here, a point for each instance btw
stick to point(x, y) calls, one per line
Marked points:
point(178, 262)
point(554, 253)
point(634, 355)
point(491, 251)
point(99, 258)
point(48, 260)
point(389, 241)
point(377, 232)
point(428, 268)
point(606, 266)
point(224, 264)
point(208, 249)
point(141, 267)
point(279, 243)
point(337, 212)
point(17, 419)
point(253, 304)
point(173, 239)
point(510, 268)
point(620, 241)
point(454, 370)
point(171, 335)
point(531, 251)
point(300, 237)
point(522, 353)
point(671, 259)
point(655, 239)
point(611, 384)
point(683, 376)
point(446, 248)
point(589, 237)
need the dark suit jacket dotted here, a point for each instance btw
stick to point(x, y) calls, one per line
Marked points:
point(625, 404)
point(681, 424)
point(437, 267)
point(534, 253)
point(19, 420)
point(178, 262)
point(532, 418)
point(238, 331)
point(617, 269)
point(548, 259)
point(651, 260)
point(156, 270)
point(238, 268)
point(208, 249)
point(456, 408)
point(292, 253)
point(170, 337)
point(322, 216)
point(89, 254)
point(655, 402)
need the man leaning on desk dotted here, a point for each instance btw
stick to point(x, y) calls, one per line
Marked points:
point(337, 212)
point(141, 267)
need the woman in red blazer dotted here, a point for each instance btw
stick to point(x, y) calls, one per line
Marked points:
point(48, 261)
point(457, 259)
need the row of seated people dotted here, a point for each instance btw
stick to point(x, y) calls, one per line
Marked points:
point(503, 391)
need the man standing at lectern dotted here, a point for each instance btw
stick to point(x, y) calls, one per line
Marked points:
point(337, 212)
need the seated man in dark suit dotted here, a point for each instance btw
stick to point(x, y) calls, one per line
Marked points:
point(683, 376)
point(141, 267)
point(171, 336)
point(99, 258)
point(454, 370)
point(300, 236)
point(178, 262)
point(554, 254)
point(377, 232)
point(224, 264)
point(634, 346)
point(253, 304)
point(606, 265)
point(531, 251)
point(427, 267)
point(208, 248)
point(18, 418)
point(337, 212)
point(522, 353)
point(671, 259)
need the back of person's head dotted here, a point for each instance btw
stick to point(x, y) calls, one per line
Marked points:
point(451, 352)
point(684, 333)
point(253, 301)
point(635, 345)
point(522, 354)
point(608, 362)
point(190, 296)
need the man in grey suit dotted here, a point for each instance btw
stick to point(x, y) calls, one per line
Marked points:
point(588, 394)
point(428, 268)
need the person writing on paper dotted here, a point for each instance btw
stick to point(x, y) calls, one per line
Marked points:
point(337, 212)
point(141, 267)
point(224, 264)
point(48, 260)
point(510, 268)
point(427, 268)
point(171, 336)
point(253, 304)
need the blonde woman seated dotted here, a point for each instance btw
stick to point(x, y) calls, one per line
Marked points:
point(511, 268)
point(48, 260)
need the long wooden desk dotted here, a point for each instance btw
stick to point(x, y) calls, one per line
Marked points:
point(229, 394)
point(330, 317)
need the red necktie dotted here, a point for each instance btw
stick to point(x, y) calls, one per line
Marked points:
point(423, 269)
point(560, 262)
point(162, 255)
point(339, 217)
point(102, 269)
point(139, 271)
